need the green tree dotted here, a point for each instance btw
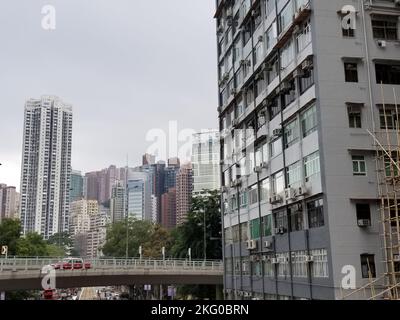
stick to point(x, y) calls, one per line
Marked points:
point(191, 235)
point(139, 233)
point(32, 245)
point(60, 244)
point(159, 237)
point(10, 231)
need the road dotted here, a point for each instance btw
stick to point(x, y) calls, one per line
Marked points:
point(88, 294)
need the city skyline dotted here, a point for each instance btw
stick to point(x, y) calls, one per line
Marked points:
point(121, 92)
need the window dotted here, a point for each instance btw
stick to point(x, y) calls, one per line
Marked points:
point(296, 218)
point(351, 72)
point(299, 264)
point(293, 175)
point(306, 81)
point(283, 266)
point(269, 268)
point(363, 212)
point(287, 54)
point(384, 27)
point(315, 211)
point(281, 220)
point(276, 147)
point(359, 166)
point(285, 17)
point(274, 108)
point(256, 268)
point(368, 266)
point(391, 169)
point(309, 121)
point(387, 73)
point(253, 194)
point(320, 265)
point(311, 165)
point(245, 266)
point(243, 199)
point(304, 37)
point(278, 183)
point(267, 225)
point(348, 32)
point(388, 117)
point(354, 113)
point(265, 189)
point(291, 133)
point(255, 229)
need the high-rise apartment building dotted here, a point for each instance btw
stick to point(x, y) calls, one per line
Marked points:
point(76, 190)
point(300, 83)
point(46, 166)
point(117, 203)
point(81, 213)
point(184, 189)
point(148, 159)
point(168, 211)
point(206, 162)
point(96, 236)
point(9, 198)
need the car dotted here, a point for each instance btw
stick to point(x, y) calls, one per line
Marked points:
point(72, 264)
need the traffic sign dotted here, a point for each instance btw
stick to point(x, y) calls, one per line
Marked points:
point(4, 250)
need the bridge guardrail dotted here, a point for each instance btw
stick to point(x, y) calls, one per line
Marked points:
point(25, 264)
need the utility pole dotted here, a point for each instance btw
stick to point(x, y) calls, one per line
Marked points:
point(126, 208)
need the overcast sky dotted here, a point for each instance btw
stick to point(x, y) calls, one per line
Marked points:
point(126, 66)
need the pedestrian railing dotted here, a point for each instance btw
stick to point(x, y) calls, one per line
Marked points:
point(37, 263)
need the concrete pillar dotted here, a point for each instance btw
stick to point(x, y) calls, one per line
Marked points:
point(219, 292)
point(131, 291)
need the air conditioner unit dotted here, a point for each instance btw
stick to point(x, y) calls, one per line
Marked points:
point(233, 91)
point(277, 132)
point(382, 43)
point(396, 257)
point(289, 193)
point(220, 29)
point(274, 261)
point(226, 76)
point(264, 165)
point(275, 199)
point(280, 230)
point(309, 259)
point(251, 244)
point(301, 191)
point(258, 169)
point(260, 38)
point(235, 122)
point(267, 244)
point(298, 73)
point(285, 86)
point(266, 66)
point(363, 223)
point(245, 62)
point(307, 64)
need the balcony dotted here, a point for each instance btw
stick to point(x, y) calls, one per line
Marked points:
point(302, 13)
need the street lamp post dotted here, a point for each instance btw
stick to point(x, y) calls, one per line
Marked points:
point(205, 235)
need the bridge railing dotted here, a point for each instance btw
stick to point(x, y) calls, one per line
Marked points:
point(20, 264)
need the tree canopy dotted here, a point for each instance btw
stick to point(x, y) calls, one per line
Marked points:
point(10, 231)
point(191, 233)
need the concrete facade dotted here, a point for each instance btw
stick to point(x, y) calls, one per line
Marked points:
point(299, 84)
point(46, 166)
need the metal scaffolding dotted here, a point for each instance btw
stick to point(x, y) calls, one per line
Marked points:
point(387, 143)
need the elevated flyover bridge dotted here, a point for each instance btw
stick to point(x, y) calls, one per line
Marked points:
point(29, 273)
